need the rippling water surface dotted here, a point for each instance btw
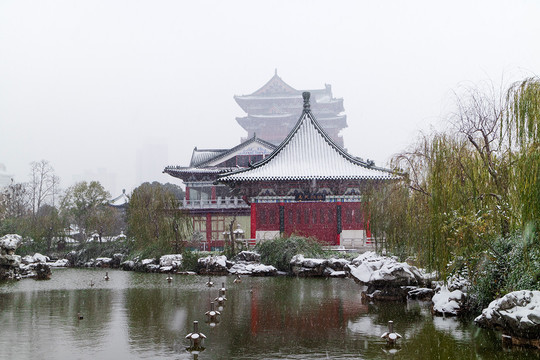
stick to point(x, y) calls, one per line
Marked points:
point(142, 316)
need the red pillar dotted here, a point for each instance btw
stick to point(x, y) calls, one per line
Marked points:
point(213, 196)
point(208, 228)
point(187, 193)
point(253, 220)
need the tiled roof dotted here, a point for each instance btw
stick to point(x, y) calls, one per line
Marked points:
point(244, 144)
point(120, 200)
point(172, 170)
point(308, 153)
point(200, 156)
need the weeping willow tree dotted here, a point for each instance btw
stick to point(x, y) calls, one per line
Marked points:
point(454, 199)
point(156, 222)
point(523, 122)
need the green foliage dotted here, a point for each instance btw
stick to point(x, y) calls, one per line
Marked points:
point(81, 204)
point(279, 252)
point(190, 260)
point(156, 222)
point(510, 264)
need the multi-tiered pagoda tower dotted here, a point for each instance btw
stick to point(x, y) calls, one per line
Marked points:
point(273, 110)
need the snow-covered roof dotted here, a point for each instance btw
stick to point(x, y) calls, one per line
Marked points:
point(266, 148)
point(211, 165)
point(200, 156)
point(120, 200)
point(309, 153)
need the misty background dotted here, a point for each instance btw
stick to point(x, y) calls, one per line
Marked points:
point(116, 90)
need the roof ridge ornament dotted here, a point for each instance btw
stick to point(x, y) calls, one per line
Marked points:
point(306, 95)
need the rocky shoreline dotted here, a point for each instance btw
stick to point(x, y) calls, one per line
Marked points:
point(516, 314)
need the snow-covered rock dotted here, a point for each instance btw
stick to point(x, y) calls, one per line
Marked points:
point(103, 262)
point(9, 243)
point(450, 299)
point(10, 261)
point(370, 268)
point(248, 256)
point(446, 302)
point(152, 268)
point(336, 274)
point(43, 271)
point(59, 263)
point(262, 270)
point(165, 269)
point(39, 258)
point(338, 264)
point(423, 294)
point(172, 260)
point(307, 267)
point(212, 265)
point(128, 265)
point(516, 314)
point(27, 260)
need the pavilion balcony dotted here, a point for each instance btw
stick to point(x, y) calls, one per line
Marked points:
point(218, 203)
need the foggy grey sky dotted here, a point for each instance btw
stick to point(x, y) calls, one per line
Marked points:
point(98, 87)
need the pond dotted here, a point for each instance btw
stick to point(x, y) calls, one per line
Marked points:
point(142, 316)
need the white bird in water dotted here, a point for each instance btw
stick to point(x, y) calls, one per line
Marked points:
point(169, 278)
point(209, 283)
point(107, 278)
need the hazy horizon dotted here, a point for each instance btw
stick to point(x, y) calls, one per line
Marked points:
point(116, 90)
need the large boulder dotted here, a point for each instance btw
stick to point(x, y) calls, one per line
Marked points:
point(382, 271)
point(59, 263)
point(386, 278)
point(103, 262)
point(307, 267)
point(262, 270)
point(116, 260)
point(10, 261)
point(39, 258)
point(212, 265)
point(451, 299)
point(174, 261)
point(247, 256)
point(516, 314)
point(9, 243)
point(448, 302)
point(43, 271)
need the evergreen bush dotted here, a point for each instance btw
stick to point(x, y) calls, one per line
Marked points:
point(279, 251)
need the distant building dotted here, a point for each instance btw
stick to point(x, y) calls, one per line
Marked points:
point(121, 201)
point(273, 110)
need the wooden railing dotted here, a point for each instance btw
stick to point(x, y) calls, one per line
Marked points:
point(218, 203)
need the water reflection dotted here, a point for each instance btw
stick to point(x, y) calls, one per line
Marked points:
point(140, 316)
